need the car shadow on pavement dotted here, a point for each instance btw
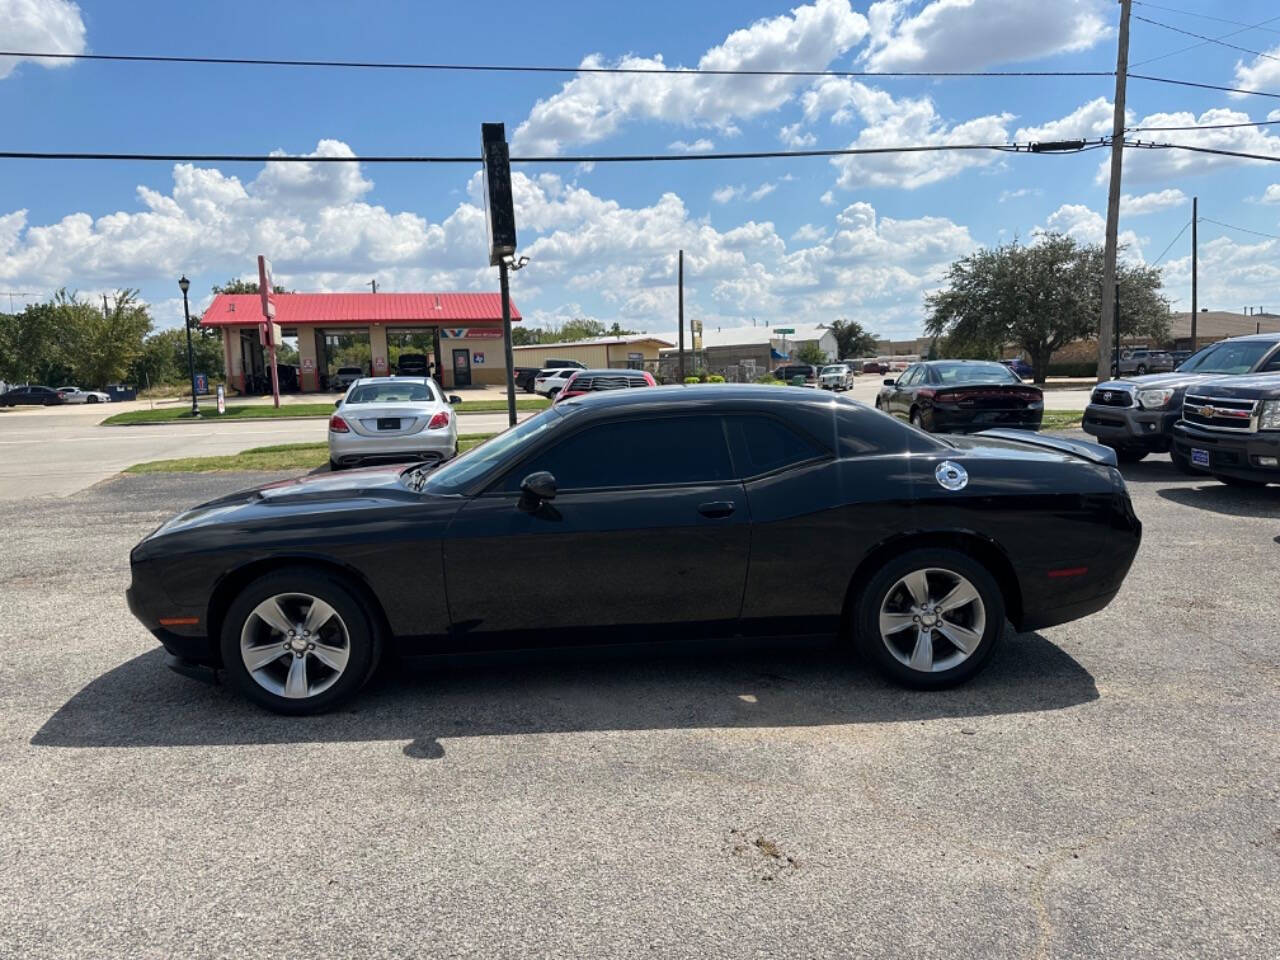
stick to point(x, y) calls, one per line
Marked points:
point(1261, 502)
point(426, 700)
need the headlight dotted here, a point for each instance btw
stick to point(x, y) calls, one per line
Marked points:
point(1270, 415)
point(1154, 399)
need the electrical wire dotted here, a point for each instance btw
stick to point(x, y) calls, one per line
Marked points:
point(1232, 226)
point(1139, 145)
point(1205, 126)
point(1199, 36)
point(1202, 86)
point(1156, 261)
point(617, 158)
point(1204, 16)
point(532, 68)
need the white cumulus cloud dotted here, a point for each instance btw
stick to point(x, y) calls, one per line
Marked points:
point(49, 26)
point(1135, 206)
point(701, 145)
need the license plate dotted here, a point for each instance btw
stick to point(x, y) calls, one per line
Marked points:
point(1199, 457)
point(388, 423)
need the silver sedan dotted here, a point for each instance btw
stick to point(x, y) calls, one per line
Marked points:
point(76, 395)
point(390, 419)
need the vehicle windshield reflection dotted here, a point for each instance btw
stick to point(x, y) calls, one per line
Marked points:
point(1227, 357)
point(453, 476)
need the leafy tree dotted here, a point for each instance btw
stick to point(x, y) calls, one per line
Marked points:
point(580, 328)
point(852, 339)
point(933, 349)
point(1039, 297)
point(32, 345)
point(810, 353)
point(236, 285)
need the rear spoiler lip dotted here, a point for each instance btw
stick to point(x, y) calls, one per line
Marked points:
point(1093, 452)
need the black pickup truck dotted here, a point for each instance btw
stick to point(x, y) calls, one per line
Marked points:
point(1135, 415)
point(1231, 429)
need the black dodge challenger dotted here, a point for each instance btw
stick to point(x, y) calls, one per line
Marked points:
point(642, 515)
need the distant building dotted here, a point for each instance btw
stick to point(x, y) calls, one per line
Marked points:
point(638, 351)
point(735, 351)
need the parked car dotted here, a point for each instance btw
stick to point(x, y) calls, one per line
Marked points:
point(345, 377)
point(913, 549)
point(551, 381)
point(1178, 356)
point(1019, 366)
point(943, 396)
point(524, 376)
point(1141, 361)
point(413, 365)
point(1135, 416)
point(1231, 429)
point(835, 376)
point(392, 419)
point(76, 395)
point(789, 371)
point(582, 382)
point(30, 396)
point(875, 367)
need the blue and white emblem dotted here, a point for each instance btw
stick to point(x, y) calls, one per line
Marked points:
point(951, 476)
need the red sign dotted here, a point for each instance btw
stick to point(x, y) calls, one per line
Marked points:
point(266, 288)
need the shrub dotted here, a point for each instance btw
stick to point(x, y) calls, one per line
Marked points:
point(715, 378)
point(692, 379)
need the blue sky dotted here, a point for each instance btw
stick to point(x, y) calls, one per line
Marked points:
point(776, 240)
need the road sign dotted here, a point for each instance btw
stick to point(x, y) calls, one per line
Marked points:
point(266, 288)
point(783, 331)
point(202, 383)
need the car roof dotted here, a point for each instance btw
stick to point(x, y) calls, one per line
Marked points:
point(607, 371)
point(1264, 337)
point(396, 379)
point(706, 395)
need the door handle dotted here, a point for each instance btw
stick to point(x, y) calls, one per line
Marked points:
point(717, 509)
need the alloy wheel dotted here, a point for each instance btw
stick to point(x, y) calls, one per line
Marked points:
point(932, 620)
point(295, 645)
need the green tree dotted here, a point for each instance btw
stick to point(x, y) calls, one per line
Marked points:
point(32, 345)
point(852, 339)
point(1039, 297)
point(810, 353)
point(107, 342)
point(236, 285)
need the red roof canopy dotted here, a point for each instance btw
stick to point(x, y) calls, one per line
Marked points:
point(312, 309)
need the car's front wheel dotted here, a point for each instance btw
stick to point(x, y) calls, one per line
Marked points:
point(930, 618)
point(297, 642)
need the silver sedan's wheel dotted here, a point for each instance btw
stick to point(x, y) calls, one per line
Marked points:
point(295, 645)
point(932, 620)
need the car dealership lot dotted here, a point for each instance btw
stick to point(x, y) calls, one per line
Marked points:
point(1104, 787)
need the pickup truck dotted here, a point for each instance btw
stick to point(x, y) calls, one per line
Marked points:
point(524, 376)
point(1231, 428)
point(1141, 361)
point(1135, 415)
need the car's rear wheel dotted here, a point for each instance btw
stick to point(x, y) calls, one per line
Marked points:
point(930, 618)
point(1142, 369)
point(917, 421)
point(91, 399)
point(298, 642)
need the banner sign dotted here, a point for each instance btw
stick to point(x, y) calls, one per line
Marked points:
point(266, 288)
point(470, 333)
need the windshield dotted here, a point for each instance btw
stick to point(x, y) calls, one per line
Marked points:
point(462, 469)
point(835, 368)
point(392, 391)
point(1227, 357)
point(975, 373)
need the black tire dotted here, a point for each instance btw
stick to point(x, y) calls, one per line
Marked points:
point(362, 637)
point(1130, 454)
point(1183, 464)
point(917, 421)
point(1244, 482)
point(872, 647)
point(1142, 369)
point(334, 466)
point(551, 394)
point(91, 400)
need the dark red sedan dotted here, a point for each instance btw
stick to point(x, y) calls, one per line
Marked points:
point(944, 396)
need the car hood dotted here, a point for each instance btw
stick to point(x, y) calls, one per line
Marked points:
point(1153, 381)
point(1251, 386)
point(1029, 445)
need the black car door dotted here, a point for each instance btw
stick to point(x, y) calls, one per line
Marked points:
point(648, 528)
point(903, 392)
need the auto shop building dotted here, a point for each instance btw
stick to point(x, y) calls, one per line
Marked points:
point(461, 332)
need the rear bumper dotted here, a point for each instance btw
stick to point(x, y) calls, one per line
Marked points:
point(1234, 455)
point(961, 420)
point(352, 448)
point(1130, 426)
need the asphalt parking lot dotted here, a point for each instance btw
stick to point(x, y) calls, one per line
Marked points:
point(1108, 787)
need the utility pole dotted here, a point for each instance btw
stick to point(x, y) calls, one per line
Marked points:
point(1106, 322)
point(374, 284)
point(680, 311)
point(1195, 264)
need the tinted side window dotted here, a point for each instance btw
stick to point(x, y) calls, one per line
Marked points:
point(761, 444)
point(1272, 365)
point(634, 453)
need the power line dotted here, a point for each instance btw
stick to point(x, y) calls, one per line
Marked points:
point(1205, 16)
point(1139, 145)
point(1156, 261)
point(1070, 147)
point(1232, 226)
point(1199, 36)
point(1203, 86)
point(1205, 126)
point(533, 68)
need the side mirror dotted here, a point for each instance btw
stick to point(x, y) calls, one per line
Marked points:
point(454, 398)
point(539, 486)
point(337, 403)
point(891, 382)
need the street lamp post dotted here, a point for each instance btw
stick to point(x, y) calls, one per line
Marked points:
point(185, 285)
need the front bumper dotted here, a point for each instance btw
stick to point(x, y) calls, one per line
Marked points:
point(186, 642)
point(351, 448)
point(1130, 426)
point(1234, 455)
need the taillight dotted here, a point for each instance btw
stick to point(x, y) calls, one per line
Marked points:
point(439, 421)
point(648, 378)
point(338, 425)
point(924, 392)
point(567, 394)
point(947, 397)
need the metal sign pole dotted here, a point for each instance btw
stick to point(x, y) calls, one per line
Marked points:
point(506, 343)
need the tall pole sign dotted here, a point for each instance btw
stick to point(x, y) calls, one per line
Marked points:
point(269, 329)
point(500, 228)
